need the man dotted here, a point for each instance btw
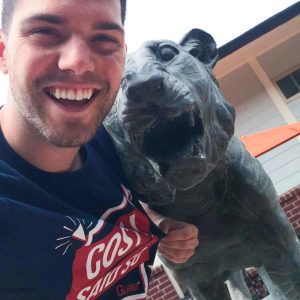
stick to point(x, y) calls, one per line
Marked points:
point(69, 226)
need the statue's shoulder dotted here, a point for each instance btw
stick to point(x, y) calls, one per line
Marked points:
point(241, 165)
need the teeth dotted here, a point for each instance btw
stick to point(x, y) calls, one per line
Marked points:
point(89, 93)
point(57, 93)
point(196, 150)
point(191, 119)
point(85, 93)
point(63, 94)
point(80, 95)
point(72, 94)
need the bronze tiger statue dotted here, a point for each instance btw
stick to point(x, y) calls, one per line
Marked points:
point(173, 131)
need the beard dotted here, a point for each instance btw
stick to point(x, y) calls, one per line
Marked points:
point(73, 133)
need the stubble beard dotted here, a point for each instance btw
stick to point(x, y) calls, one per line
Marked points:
point(73, 134)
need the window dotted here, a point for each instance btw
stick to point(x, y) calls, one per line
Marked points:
point(290, 84)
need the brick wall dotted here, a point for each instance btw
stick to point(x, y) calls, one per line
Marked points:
point(255, 284)
point(161, 287)
point(290, 202)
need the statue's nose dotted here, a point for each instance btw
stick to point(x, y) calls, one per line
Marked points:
point(145, 87)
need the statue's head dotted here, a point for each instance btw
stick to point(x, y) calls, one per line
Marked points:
point(174, 119)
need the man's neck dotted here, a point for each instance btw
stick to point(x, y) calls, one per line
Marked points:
point(34, 149)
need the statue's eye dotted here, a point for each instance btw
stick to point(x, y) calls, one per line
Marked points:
point(195, 52)
point(167, 52)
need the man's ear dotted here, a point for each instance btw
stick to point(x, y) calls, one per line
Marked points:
point(3, 57)
point(201, 45)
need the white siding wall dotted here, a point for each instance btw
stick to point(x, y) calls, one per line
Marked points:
point(283, 165)
point(255, 111)
point(294, 106)
point(257, 119)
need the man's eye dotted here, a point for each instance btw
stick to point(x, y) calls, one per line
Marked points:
point(106, 44)
point(104, 39)
point(46, 36)
point(45, 31)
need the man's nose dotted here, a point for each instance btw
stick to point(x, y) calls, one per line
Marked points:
point(76, 56)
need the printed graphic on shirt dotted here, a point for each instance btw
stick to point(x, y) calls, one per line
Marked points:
point(75, 230)
point(109, 252)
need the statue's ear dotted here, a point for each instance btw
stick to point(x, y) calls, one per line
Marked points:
point(202, 46)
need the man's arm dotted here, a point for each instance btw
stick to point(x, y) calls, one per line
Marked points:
point(181, 238)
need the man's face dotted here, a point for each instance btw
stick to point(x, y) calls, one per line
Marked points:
point(65, 59)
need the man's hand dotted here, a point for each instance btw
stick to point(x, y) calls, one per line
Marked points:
point(180, 242)
point(181, 238)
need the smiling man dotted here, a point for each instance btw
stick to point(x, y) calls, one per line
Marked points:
point(65, 68)
point(69, 226)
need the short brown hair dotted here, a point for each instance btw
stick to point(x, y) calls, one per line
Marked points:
point(8, 7)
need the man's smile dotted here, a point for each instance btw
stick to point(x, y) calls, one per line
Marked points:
point(71, 94)
point(72, 97)
point(76, 94)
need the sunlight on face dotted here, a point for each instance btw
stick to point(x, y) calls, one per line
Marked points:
point(58, 51)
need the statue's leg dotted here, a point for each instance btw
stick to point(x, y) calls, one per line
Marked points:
point(215, 290)
point(237, 287)
point(282, 280)
point(279, 251)
point(283, 265)
point(273, 289)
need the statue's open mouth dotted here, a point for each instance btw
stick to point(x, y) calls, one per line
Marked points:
point(174, 139)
